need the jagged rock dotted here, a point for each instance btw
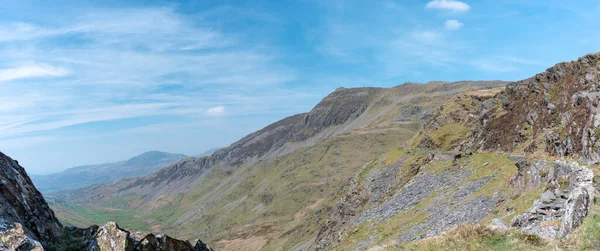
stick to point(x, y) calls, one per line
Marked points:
point(111, 237)
point(13, 238)
point(23, 206)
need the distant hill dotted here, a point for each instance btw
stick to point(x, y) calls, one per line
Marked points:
point(83, 176)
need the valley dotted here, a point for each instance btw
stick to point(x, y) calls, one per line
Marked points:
point(477, 164)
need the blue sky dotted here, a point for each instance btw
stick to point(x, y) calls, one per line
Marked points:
point(85, 82)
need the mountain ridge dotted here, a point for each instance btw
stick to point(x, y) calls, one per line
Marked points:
point(82, 176)
point(378, 117)
point(388, 168)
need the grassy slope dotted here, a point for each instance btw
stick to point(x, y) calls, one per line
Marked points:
point(278, 200)
point(478, 236)
point(446, 137)
point(276, 203)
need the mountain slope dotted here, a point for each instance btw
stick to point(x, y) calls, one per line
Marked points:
point(270, 188)
point(497, 158)
point(83, 176)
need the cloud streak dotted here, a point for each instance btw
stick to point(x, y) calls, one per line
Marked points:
point(31, 71)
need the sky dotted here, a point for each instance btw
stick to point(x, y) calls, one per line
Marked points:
point(88, 82)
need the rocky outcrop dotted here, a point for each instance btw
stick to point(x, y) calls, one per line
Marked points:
point(13, 237)
point(563, 205)
point(23, 210)
point(110, 237)
point(556, 111)
point(28, 223)
point(433, 201)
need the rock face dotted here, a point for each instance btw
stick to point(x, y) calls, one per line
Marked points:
point(556, 111)
point(22, 207)
point(28, 223)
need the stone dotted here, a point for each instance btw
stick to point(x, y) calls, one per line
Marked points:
point(597, 120)
point(551, 108)
point(532, 117)
point(498, 225)
point(546, 99)
point(547, 197)
point(577, 209)
point(570, 206)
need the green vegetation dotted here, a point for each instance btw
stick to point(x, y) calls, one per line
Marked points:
point(129, 219)
point(67, 242)
point(283, 201)
point(477, 237)
point(587, 237)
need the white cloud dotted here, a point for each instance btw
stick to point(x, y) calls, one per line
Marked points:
point(453, 24)
point(216, 111)
point(450, 5)
point(31, 71)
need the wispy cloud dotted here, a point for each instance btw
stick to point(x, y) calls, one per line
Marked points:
point(452, 24)
point(115, 64)
point(449, 5)
point(216, 111)
point(31, 71)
